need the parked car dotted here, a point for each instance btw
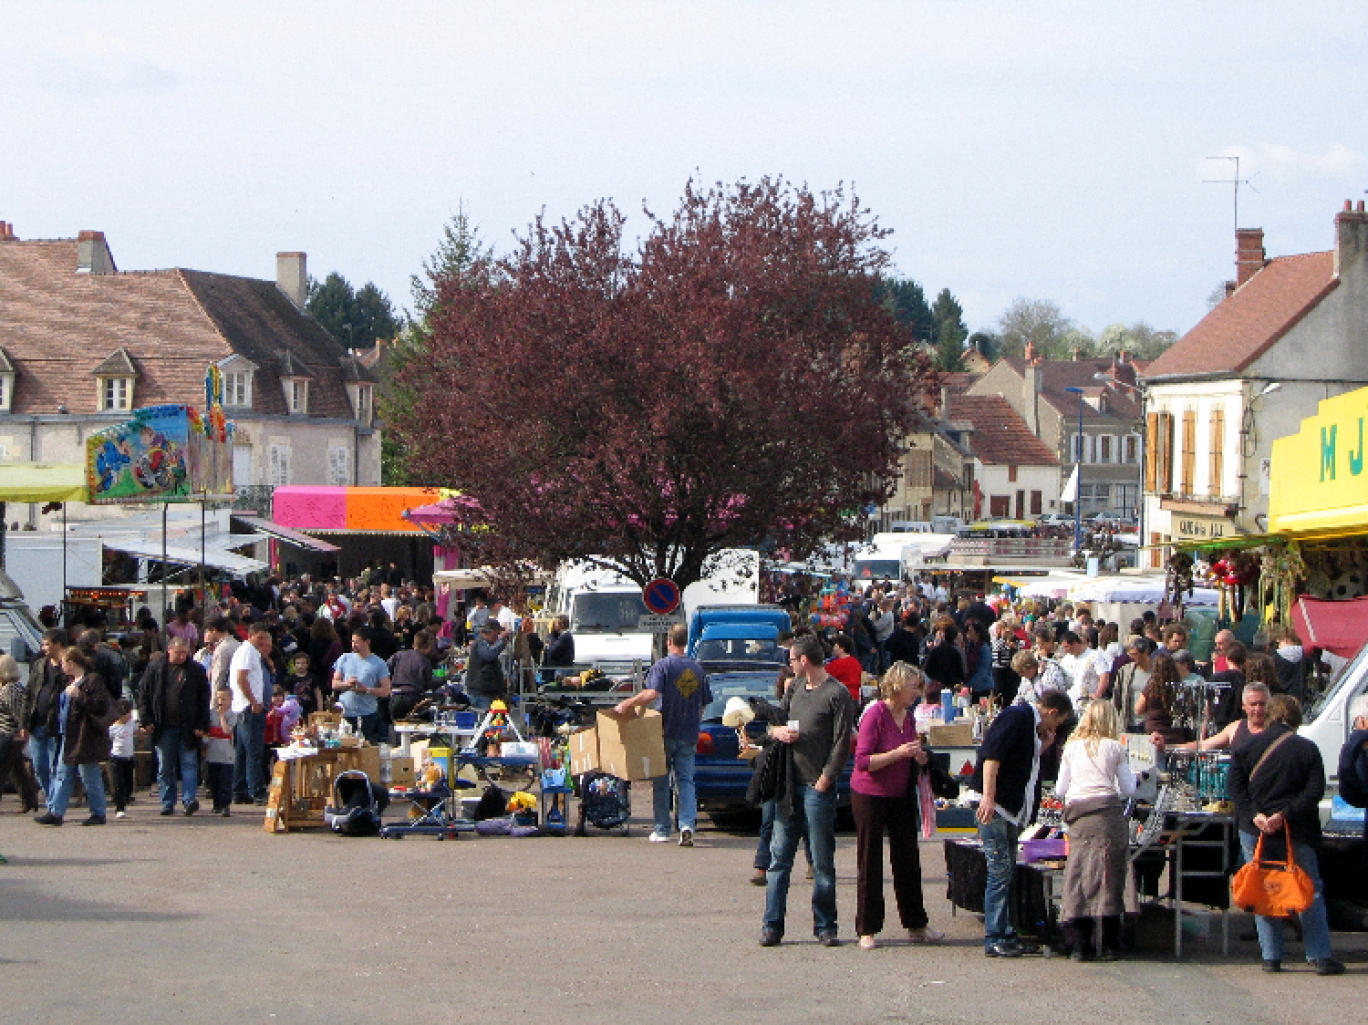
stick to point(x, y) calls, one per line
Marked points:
point(720, 777)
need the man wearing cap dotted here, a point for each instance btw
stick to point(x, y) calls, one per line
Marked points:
point(484, 680)
point(678, 686)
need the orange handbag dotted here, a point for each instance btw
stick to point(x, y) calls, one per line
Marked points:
point(1273, 889)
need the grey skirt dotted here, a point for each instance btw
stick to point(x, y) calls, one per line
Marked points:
point(1096, 874)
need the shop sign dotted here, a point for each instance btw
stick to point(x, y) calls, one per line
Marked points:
point(1198, 528)
point(1318, 479)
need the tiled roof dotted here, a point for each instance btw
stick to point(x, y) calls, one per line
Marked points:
point(1000, 434)
point(118, 364)
point(1057, 374)
point(58, 327)
point(942, 479)
point(957, 382)
point(1249, 321)
point(289, 365)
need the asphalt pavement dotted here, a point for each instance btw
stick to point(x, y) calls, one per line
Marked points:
point(151, 920)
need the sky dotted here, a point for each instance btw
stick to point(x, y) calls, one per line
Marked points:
point(1052, 151)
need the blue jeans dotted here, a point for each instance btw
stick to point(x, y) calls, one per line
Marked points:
point(171, 752)
point(1315, 924)
point(817, 811)
point(249, 750)
point(480, 702)
point(999, 839)
point(367, 725)
point(66, 783)
point(43, 751)
point(679, 765)
point(762, 849)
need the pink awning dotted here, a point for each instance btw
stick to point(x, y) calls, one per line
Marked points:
point(1339, 627)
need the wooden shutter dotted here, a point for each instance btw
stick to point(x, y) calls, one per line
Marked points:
point(1152, 452)
point(1037, 506)
point(1217, 463)
point(1189, 469)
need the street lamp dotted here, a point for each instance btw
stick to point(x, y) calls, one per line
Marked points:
point(1078, 471)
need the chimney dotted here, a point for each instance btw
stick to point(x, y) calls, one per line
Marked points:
point(7, 232)
point(92, 254)
point(1351, 235)
point(1249, 254)
point(1030, 392)
point(292, 277)
point(1229, 287)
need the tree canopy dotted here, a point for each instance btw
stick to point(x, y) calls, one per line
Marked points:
point(1041, 323)
point(354, 317)
point(733, 380)
point(949, 332)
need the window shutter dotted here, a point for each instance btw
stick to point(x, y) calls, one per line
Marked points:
point(1166, 429)
point(1216, 487)
point(339, 467)
point(1189, 469)
point(1152, 452)
point(280, 465)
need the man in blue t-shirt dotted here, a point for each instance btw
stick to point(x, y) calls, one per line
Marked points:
point(360, 679)
point(678, 686)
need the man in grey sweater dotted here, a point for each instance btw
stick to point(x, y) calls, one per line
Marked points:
point(821, 715)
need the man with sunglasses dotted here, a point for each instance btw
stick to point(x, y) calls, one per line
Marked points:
point(821, 716)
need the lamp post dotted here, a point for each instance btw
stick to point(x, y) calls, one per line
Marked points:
point(1078, 469)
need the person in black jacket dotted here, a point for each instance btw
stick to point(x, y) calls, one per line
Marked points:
point(560, 646)
point(1353, 765)
point(944, 665)
point(1007, 775)
point(173, 704)
point(1277, 780)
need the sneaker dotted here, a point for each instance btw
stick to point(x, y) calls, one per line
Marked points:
point(1001, 948)
point(192, 807)
point(658, 837)
point(1328, 966)
point(770, 937)
point(94, 820)
point(685, 838)
point(828, 939)
point(48, 819)
point(121, 814)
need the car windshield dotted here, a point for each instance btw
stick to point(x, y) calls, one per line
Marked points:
point(877, 569)
point(606, 613)
point(737, 685)
point(738, 649)
point(1351, 673)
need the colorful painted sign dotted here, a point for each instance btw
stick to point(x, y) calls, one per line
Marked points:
point(1317, 480)
point(163, 454)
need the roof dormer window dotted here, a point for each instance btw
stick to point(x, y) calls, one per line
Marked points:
point(294, 379)
point(237, 373)
point(115, 378)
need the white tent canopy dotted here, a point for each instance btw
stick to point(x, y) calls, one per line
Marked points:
point(1143, 590)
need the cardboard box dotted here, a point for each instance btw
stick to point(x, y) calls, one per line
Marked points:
point(367, 759)
point(960, 734)
point(418, 751)
point(632, 746)
point(401, 772)
point(584, 752)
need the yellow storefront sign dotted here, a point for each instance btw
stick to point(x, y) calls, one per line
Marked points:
point(1318, 480)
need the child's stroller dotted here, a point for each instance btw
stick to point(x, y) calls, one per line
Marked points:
point(605, 801)
point(357, 805)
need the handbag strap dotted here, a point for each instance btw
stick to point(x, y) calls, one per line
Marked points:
point(1268, 751)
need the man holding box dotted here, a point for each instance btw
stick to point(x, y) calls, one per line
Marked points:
point(677, 686)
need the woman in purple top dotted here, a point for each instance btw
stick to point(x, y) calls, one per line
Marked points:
point(883, 797)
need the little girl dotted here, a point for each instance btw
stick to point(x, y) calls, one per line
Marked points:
point(121, 758)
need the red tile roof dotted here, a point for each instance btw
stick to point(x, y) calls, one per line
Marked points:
point(1253, 318)
point(58, 326)
point(1058, 374)
point(1000, 434)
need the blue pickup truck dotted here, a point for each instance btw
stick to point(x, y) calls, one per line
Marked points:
point(737, 633)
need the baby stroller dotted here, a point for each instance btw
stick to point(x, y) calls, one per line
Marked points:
point(605, 801)
point(357, 805)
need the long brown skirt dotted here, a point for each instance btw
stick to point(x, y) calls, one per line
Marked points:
point(1096, 872)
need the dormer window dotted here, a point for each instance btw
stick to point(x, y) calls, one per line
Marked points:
point(237, 374)
point(294, 380)
point(7, 376)
point(360, 385)
point(115, 378)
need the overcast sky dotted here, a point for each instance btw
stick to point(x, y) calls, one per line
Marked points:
point(1044, 150)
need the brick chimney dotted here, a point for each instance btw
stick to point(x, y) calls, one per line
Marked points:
point(292, 277)
point(92, 254)
point(1249, 254)
point(1351, 235)
point(7, 232)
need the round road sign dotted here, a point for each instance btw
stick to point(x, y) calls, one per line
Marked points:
point(660, 596)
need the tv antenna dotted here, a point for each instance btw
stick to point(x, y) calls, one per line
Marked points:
point(1235, 181)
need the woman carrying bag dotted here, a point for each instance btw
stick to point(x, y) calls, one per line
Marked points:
point(84, 714)
point(889, 758)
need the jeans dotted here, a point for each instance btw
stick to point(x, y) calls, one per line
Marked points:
point(816, 810)
point(249, 748)
point(480, 702)
point(762, 849)
point(368, 726)
point(66, 782)
point(172, 752)
point(121, 773)
point(1315, 924)
point(679, 765)
point(43, 752)
point(999, 839)
point(220, 784)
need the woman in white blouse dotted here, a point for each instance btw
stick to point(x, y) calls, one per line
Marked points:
point(1095, 779)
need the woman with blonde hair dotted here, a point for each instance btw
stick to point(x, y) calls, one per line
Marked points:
point(1095, 779)
point(888, 757)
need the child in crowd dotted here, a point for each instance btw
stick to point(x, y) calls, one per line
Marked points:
point(122, 757)
point(304, 685)
point(280, 723)
point(219, 752)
